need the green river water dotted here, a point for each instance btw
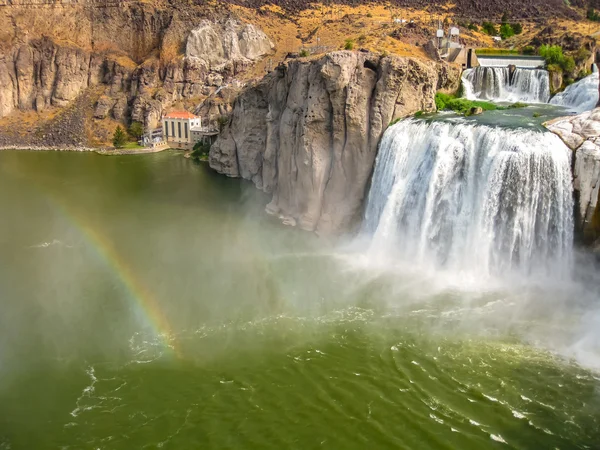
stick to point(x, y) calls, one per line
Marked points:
point(149, 303)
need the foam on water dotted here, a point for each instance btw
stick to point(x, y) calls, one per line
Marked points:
point(580, 96)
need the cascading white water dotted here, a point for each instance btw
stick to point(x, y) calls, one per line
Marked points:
point(496, 84)
point(580, 96)
point(472, 198)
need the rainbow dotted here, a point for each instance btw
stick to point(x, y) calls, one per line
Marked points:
point(106, 250)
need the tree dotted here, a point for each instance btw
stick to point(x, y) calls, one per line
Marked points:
point(222, 121)
point(136, 130)
point(553, 54)
point(504, 19)
point(489, 28)
point(517, 28)
point(119, 138)
point(506, 31)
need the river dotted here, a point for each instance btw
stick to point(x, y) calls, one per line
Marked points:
point(149, 303)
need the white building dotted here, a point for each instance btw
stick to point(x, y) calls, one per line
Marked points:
point(177, 129)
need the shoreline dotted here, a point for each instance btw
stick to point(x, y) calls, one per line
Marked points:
point(105, 151)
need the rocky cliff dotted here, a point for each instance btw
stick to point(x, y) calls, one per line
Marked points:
point(308, 132)
point(581, 133)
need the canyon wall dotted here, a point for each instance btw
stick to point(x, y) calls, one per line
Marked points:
point(308, 132)
point(581, 133)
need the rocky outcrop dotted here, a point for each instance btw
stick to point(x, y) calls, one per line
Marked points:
point(308, 132)
point(581, 133)
point(216, 45)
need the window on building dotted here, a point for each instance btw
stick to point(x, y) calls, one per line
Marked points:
point(166, 129)
point(179, 129)
point(185, 127)
point(173, 128)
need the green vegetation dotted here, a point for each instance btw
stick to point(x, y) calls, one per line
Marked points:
point(200, 151)
point(489, 28)
point(369, 15)
point(528, 50)
point(517, 28)
point(506, 31)
point(349, 45)
point(304, 53)
point(593, 15)
point(536, 115)
point(497, 51)
point(362, 38)
point(461, 105)
point(465, 107)
point(419, 113)
point(473, 27)
point(119, 138)
point(556, 61)
point(395, 121)
point(136, 130)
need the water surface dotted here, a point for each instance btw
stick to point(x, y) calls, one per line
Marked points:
point(149, 303)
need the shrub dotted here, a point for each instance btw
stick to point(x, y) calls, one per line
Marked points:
point(200, 150)
point(136, 130)
point(528, 50)
point(517, 105)
point(473, 27)
point(362, 38)
point(536, 114)
point(304, 53)
point(517, 28)
point(593, 15)
point(489, 28)
point(119, 138)
point(349, 45)
point(582, 55)
point(506, 31)
point(369, 15)
point(568, 64)
point(553, 54)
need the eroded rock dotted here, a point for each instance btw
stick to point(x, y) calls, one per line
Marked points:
point(308, 132)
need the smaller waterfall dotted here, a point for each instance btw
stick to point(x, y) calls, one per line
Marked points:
point(581, 96)
point(472, 198)
point(496, 84)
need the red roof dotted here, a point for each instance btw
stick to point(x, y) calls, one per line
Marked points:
point(180, 115)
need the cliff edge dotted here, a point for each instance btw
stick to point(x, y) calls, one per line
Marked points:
point(308, 132)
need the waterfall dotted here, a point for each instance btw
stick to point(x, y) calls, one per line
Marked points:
point(581, 96)
point(496, 84)
point(472, 197)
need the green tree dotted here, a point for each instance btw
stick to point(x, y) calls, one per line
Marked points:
point(119, 138)
point(473, 27)
point(489, 28)
point(504, 20)
point(553, 54)
point(136, 130)
point(528, 50)
point(506, 31)
point(517, 28)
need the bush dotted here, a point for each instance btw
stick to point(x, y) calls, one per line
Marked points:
point(517, 28)
point(528, 50)
point(349, 45)
point(489, 28)
point(136, 130)
point(582, 55)
point(593, 15)
point(200, 150)
point(362, 38)
point(369, 15)
point(119, 138)
point(506, 31)
point(553, 54)
point(304, 53)
point(568, 64)
point(473, 27)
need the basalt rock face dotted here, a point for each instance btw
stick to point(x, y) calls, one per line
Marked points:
point(581, 133)
point(308, 132)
